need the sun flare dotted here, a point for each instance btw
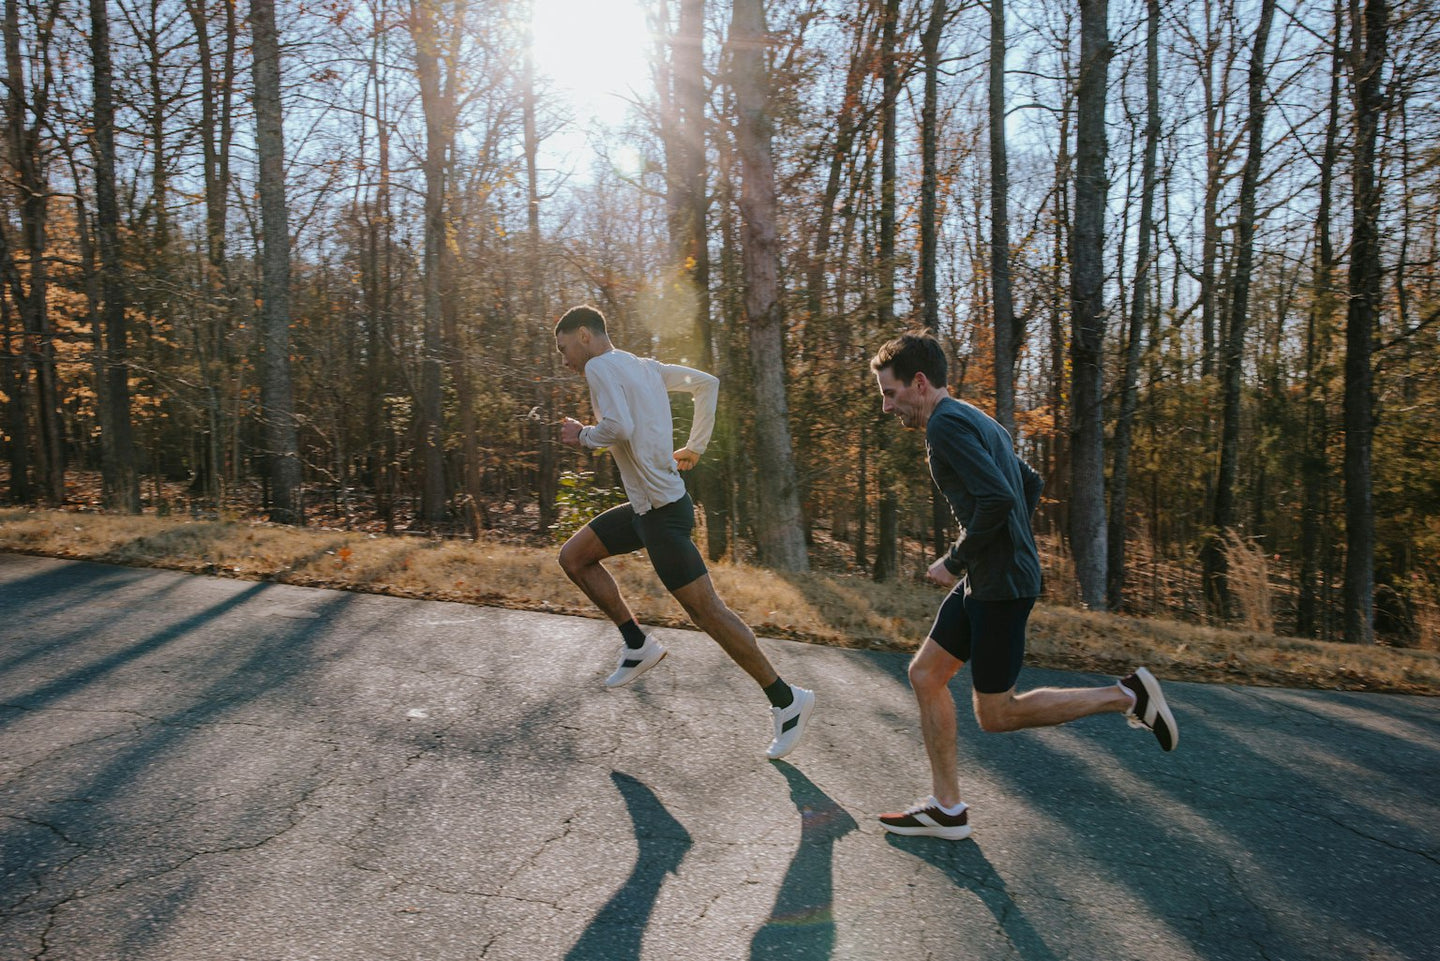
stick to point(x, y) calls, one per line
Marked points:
point(595, 53)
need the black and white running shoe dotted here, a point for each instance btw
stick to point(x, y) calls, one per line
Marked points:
point(635, 661)
point(929, 819)
point(790, 722)
point(1150, 711)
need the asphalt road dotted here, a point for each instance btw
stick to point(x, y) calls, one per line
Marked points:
point(200, 769)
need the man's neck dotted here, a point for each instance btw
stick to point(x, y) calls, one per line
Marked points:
point(940, 393)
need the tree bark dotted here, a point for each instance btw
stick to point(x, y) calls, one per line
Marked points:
point(887, 541)
point(121, 482)
point(688, 210)
point(1314, 475)
point(779, 524)
point(1007, 332)
point(1214, 560)
point(1088, 312)
point(1369, 34)
point(547, 481)
point(439, 130)
point(26, 156)
point(16, 384)
point(277, 386)
point(1116, 564)
point(217, 98)
point(929, 172)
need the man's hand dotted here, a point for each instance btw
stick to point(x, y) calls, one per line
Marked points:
point(685, 458)
point(941, 575)
point(570, 431)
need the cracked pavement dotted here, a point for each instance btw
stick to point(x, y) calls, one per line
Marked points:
point(194, 767)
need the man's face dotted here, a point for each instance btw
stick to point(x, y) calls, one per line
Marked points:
point(901, 400)
point(574, 347)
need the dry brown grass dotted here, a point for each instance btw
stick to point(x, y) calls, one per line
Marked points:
point(836, 609)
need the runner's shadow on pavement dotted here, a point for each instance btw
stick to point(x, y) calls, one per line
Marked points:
point(801, 926)
point(618, 930)
point(966, 865)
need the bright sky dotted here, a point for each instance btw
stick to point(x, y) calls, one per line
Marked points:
point(595, 51)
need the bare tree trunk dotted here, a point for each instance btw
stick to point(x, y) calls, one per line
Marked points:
point(379, 286)
point(929, 174)
point(1313, 470)
point(1007, 327)
point(1087, 306)
point(217, 97)
point(439, 130)
point(16, 384)
point(26, 156)
point(547, 481)
point(277, 386)
point(689, 212)
point(780, 524)
point(1210, 222)
point(1139, 308)
point(887, 542)
point(120, 480)
point(1056, 450)
point(1369, 35)
point(1233, 356)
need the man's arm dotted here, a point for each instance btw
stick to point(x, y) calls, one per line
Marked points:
point(704, 391)
point(1034, 485)
point(985, 484)
point(612, 411)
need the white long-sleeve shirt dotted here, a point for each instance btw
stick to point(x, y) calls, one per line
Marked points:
point(630, 396)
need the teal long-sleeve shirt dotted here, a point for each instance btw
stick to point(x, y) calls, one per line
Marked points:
point(992, 493)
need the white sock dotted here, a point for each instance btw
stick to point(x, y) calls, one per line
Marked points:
point(952, 811)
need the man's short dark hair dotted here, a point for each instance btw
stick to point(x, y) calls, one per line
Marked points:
point(582, 316)
point(914, 353)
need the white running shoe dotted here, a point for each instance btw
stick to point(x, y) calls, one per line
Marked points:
point(790, 723)
point(635, 661)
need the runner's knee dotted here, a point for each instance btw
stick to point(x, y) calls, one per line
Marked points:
point(993, 714)
point(577, 554)
point(927, 676)
point(700, 601)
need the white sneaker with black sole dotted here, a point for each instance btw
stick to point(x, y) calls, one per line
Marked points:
point(1150, 712)
point(790, 722)
point(635, 661)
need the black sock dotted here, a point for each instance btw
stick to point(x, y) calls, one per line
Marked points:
point(779, 694)
point(634, 637)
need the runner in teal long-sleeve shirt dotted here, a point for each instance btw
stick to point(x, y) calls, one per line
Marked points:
point(993, 570)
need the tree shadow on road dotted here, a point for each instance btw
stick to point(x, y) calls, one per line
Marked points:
point(99, 816)
point(801, 926)
point(618, 930)
point(966, 865)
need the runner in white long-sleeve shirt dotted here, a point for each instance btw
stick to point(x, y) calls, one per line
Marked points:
point(630, 397)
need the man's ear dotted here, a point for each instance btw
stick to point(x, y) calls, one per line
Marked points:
point(920, 382)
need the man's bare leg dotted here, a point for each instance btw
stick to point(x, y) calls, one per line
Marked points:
point(1047, 706)
point(930, 674)
point(790, 706)
point(580, 559)
point(734, 636)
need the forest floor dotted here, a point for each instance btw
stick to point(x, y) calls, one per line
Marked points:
point(830, 605)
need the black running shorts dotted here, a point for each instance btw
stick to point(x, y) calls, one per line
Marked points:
point(990, 635)
point(663, 532)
